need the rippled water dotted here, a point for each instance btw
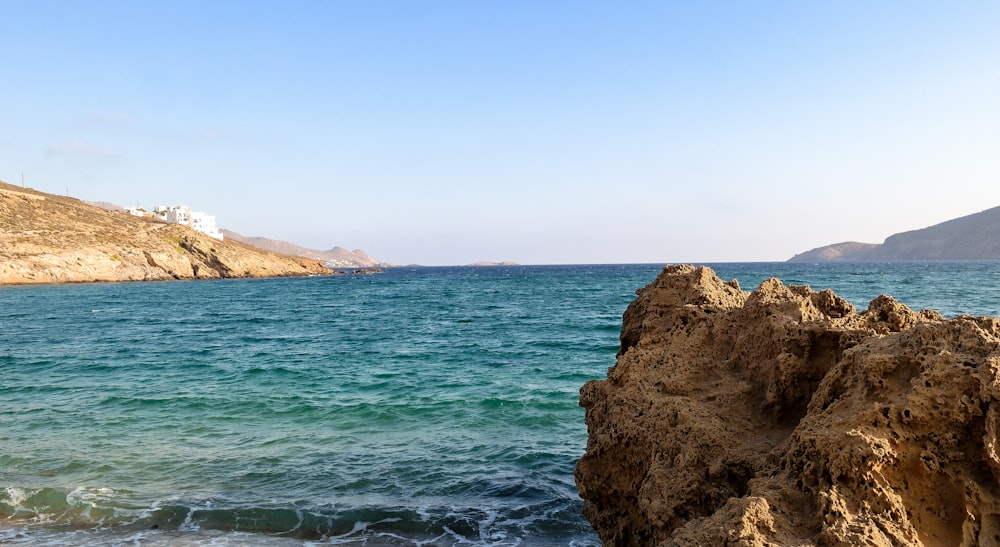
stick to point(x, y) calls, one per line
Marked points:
point(425, 406)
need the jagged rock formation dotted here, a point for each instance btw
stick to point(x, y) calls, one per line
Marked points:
point(972, 237)
point(784, 417)
point(54, 239)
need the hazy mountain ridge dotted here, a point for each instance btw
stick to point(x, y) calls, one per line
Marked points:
point(46, 238)
point(337, 257)
point(972, 237)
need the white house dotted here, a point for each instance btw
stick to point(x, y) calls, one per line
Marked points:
point(197, 220)
point(179, 215)
point(205, 223)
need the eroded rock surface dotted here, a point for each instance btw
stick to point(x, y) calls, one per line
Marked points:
point(783, 416)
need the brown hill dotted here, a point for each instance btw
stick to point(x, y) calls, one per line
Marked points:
point(46, 238)
point(337, 257)
point(972, 237)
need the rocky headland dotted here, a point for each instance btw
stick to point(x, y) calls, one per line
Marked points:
point(46, 238)
point(972, 237)
point(783, 416)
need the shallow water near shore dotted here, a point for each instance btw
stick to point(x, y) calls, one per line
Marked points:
point(420, 406)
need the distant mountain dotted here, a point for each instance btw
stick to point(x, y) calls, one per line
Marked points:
point(972, 237)
point(337, 257)
point(106, 205)
point(849, 251)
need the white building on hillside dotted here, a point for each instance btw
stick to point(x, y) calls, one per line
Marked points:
point(197, 220)
point(205, 223)
point(179, 215)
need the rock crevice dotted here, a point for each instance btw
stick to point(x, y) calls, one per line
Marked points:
point(783, 416)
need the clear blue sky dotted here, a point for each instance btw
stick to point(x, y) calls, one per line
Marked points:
point(538, 132)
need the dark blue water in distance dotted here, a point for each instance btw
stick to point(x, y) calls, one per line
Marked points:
point(420, 406)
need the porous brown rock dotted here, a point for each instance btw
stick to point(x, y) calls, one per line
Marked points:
point(783, 416)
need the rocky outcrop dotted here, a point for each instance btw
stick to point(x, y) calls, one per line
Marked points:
point(54, 239)
point(783, 416)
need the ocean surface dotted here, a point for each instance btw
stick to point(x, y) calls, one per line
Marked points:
point(420, 406)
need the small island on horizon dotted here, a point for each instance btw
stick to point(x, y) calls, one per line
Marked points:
point(504, 263)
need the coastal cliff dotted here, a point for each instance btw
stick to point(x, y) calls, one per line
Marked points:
point(783, 416)
point(53, 239)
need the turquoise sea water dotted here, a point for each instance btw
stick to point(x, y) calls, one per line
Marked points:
point(422, 406)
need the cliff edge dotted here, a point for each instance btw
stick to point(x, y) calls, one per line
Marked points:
point(54, 239)
point(783, 416)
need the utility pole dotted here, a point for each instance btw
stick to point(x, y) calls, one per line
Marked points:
point(22, 179)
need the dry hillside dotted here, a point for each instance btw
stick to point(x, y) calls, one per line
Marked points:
point(54, 239)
